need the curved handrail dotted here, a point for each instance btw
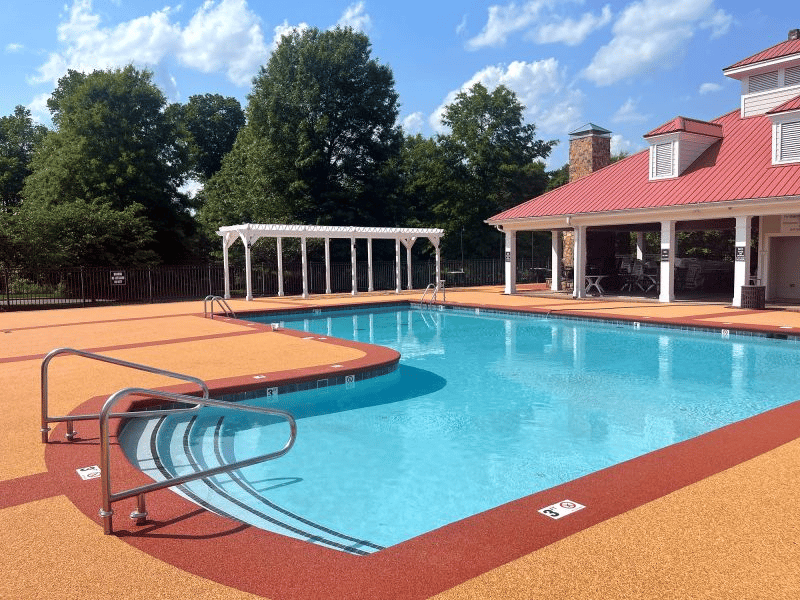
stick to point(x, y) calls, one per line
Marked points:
point(436, 287)
point(223, 304)
point(425, 293)
point(46, 418)
point(105, 450)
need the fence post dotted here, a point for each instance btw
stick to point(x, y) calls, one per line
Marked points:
point(83, 290)
point(8, 289)
point(150, 283)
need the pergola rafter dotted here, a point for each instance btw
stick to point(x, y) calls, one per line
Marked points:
point(250, 233)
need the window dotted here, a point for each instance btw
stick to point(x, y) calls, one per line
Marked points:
point(661, 160)
point(789, 144)
point(792, 76)
point(763, 82)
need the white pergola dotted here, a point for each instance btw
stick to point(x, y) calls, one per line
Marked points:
point(250, 233)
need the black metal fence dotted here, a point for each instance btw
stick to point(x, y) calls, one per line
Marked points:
point(22, 289)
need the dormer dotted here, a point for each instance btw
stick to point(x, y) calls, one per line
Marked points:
point(769, 78)
point(677, 144)
point(786, 132)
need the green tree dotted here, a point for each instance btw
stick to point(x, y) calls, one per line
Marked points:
point(495, 162)
point(320, 136)
point(18, 138)
point(115, 147)
point(212, 122)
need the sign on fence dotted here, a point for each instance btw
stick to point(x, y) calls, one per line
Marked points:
point(117, 277)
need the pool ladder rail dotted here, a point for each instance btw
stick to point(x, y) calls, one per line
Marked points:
point(435, 288)
point(108, 497)
point(221, 302)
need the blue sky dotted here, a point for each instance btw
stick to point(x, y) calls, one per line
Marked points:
point(628, 66)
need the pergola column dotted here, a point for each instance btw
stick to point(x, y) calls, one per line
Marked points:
point(640, 245)
point(408, 242)
point(280, 265)
point(227, 241)
point(556, 256)
point(579, 260)
point(247, 240)
point(511, 262)
point(327, 265)
point(353, 268)
point(398, 269)
point(304, 264)
point(668, 248)
point(741, 268)
point(371, 287)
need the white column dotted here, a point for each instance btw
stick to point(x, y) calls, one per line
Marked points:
point(371, 283)
point(556, 256)
point(741, 265)
point(280, 266)
point(398, 270)
point(435, 243)
point(408, 267)
point(225, 265)
point(668, 249)
point(640, 245)
point(511, 262)
point(579, 262)
point(304, 265)
point(248, 271)
point(353, 269)
point(327, 265)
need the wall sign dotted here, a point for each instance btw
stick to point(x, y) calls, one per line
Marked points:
point(790, 223)
point(561, 509)
point(508, 256)
point(739, 253)
point(664, 254)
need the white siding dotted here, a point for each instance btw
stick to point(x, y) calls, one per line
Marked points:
point(758, 104)
point(690, 147)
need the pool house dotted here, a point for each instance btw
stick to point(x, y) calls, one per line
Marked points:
point(738, 173)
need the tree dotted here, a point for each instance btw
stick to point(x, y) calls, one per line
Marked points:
point(494, 160)
point(18, 138)
point(321, 120)
point(115, 147)
point(212, 122)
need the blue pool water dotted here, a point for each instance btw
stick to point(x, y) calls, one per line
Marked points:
point(483, 409)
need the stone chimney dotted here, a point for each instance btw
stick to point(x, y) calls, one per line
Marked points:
point(794, 34)
point(589, 150)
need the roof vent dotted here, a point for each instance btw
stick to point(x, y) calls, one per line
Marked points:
point(794, 34)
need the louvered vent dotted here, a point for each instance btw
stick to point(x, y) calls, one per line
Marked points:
point(790, 142)
point(763, 82)
point(792, 76)
point(662, 166)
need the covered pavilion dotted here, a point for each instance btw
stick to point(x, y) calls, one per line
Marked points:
point(250, 233)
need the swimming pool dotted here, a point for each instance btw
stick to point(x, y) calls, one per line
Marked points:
point(483, 409)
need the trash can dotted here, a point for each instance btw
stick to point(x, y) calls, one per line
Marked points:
point(753, 296)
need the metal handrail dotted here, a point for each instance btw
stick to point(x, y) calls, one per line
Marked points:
point(436, 287)
point(46, 418)
point(140, 514)
point(425, 293)
point(223, 304)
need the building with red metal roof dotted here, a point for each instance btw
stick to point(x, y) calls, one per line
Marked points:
point(730, 173)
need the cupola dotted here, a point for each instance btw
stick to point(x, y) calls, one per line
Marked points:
point(677, 144)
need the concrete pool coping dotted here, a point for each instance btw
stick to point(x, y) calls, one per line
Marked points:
point(712, 517)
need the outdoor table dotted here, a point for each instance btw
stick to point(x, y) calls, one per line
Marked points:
point(593, 281)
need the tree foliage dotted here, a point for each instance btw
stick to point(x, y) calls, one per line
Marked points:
point(321, 134)
point(18, 138)
point(115, 149)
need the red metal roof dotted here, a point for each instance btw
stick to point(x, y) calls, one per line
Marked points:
point(738, 166)
point(688, 125)
point(777, 51)
point(793, 104)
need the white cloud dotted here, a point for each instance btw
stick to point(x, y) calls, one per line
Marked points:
point(505, 20)
point(224, 37)
point(570, 31)
point(355, 16)
point(629, 113)
point(620, 144)
point(719, 23)
point(709, 88)
point(14, 48)
point(550, 103)
point(286, 29)
point(651, 34)
point(462, 25)
point(414, 123)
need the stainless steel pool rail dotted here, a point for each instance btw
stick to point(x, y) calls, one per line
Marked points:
point(435, 287)
point(140, 514)
point(223, 305)
point(70, 419)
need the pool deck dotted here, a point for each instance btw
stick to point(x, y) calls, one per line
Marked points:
point(714, 517)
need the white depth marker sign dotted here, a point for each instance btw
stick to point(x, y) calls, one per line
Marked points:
point(561, 509)
point(87, 473)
